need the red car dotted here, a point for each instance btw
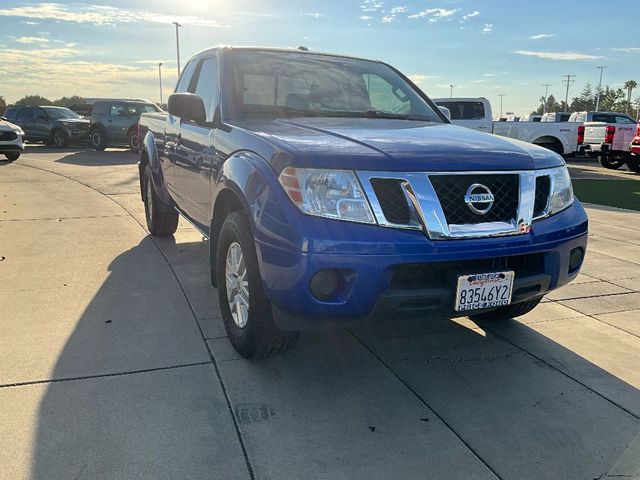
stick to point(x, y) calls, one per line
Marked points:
point(633, 161)
point(635, 143)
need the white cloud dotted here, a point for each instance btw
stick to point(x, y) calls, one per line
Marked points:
point(388, 19)
point(475, 13)
point(365, 17)
point(31, 23)
point(540, 36)
point(421, 78)
point(396, 10)
point(435, 14)
point(627, 50)
point(99, 15)
point(32, 40)
point(313, 14)
point(371, 5)
point(489, 75)
point(558, 55)
point(488, 28)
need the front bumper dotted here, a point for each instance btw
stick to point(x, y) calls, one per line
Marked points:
point(10, 146)
point(77, 134)
point(390, 272)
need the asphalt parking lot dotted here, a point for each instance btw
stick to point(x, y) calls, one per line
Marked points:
point(114, 362)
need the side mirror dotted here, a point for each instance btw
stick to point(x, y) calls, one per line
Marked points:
point(446, 112)
point(188, 107)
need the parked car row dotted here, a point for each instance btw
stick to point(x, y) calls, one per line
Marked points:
point(112, 123)
point(607, 135)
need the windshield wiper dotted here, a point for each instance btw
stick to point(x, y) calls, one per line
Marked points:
point(373, 114)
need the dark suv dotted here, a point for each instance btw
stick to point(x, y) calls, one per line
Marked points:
point(115, 122)
point(56, 126)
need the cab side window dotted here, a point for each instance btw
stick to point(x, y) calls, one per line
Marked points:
point(25, 115)
point(185, 78)
point(118, 110)
point(207, 86)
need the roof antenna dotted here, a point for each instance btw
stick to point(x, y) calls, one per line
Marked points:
point(304, 49)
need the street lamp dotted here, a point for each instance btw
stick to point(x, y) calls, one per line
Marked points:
point(160, 77)
point(178, 45)
point(452, 87)
point(599, 87)
point(502, 95)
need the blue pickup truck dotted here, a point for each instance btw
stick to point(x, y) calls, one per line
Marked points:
point(333, 190)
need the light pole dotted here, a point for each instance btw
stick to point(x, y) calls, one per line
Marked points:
point(160, 78)
point(599, 87)
point(452, 87)
point(569, 81)
point(178, 45)
point(502, 95)
point(546, 91)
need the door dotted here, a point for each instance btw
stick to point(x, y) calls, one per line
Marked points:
point(468, 113)
point(24, 119)
point(118, 122)
point(168, 151)
point(193, 175)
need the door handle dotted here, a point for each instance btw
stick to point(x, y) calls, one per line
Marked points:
point(109, 121)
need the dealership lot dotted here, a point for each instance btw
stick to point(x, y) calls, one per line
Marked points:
point(115, 362)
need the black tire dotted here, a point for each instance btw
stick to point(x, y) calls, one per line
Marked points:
point(12, 156)
point(134, 142)
point(98, 138)
point(611, 162)
point(59, 138)
point(258, 337)
point(162, 219)
point(553, 146)
point(634, 164)
point(509, 311)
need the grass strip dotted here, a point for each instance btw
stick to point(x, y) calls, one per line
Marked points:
point(612, 193)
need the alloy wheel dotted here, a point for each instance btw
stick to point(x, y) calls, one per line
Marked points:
point(237, 285)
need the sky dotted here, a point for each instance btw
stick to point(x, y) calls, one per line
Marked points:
point(485, 48)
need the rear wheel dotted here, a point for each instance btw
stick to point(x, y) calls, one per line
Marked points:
point(59, 138)
point(508, 311)
point(98, 138)
point(612, 162)
point(12, 156)
point(162, 219)
point(246, 311)
point(634, 164)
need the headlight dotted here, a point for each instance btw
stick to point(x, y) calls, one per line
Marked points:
point(327, 193)
point(19, 131)
point(561, 190)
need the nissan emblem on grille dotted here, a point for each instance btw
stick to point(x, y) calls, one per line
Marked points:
point(479, 199)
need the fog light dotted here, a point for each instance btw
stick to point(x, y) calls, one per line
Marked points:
point(575, 259)
point(325, 284)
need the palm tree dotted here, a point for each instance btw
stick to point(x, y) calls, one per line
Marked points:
point(630, 85)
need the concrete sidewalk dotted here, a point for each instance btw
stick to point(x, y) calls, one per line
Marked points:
point(114, 362)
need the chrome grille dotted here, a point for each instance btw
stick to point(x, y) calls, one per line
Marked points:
point(451, 190)
point(543, 189)
point(392, 200)
point(8, 136)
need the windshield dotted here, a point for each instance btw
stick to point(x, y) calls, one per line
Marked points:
point(60, 113)
point(302, 84)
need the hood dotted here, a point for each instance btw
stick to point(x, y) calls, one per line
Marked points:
point(6, 126)
point(392, 145)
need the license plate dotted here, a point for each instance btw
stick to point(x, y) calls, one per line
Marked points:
point(484, 290)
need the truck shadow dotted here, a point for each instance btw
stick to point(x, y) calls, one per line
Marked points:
point(549, 414)
point(92, 158)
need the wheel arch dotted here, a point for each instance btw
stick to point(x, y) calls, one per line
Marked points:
point(149, 158)
point(550, 142)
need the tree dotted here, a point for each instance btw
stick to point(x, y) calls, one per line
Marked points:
point(585, 102)
point(552, 105)
point(73, 101)
point(629, 85)
point(33, 100)
point(3, 105)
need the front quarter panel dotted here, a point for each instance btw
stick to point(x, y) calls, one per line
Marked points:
point(149, 148)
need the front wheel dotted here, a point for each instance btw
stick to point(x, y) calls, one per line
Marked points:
point(59, 138)
point(134, 142)
point(611, 162)
point(246, 311)
point(508, 311)
point(162, 219)
point(12, 156)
